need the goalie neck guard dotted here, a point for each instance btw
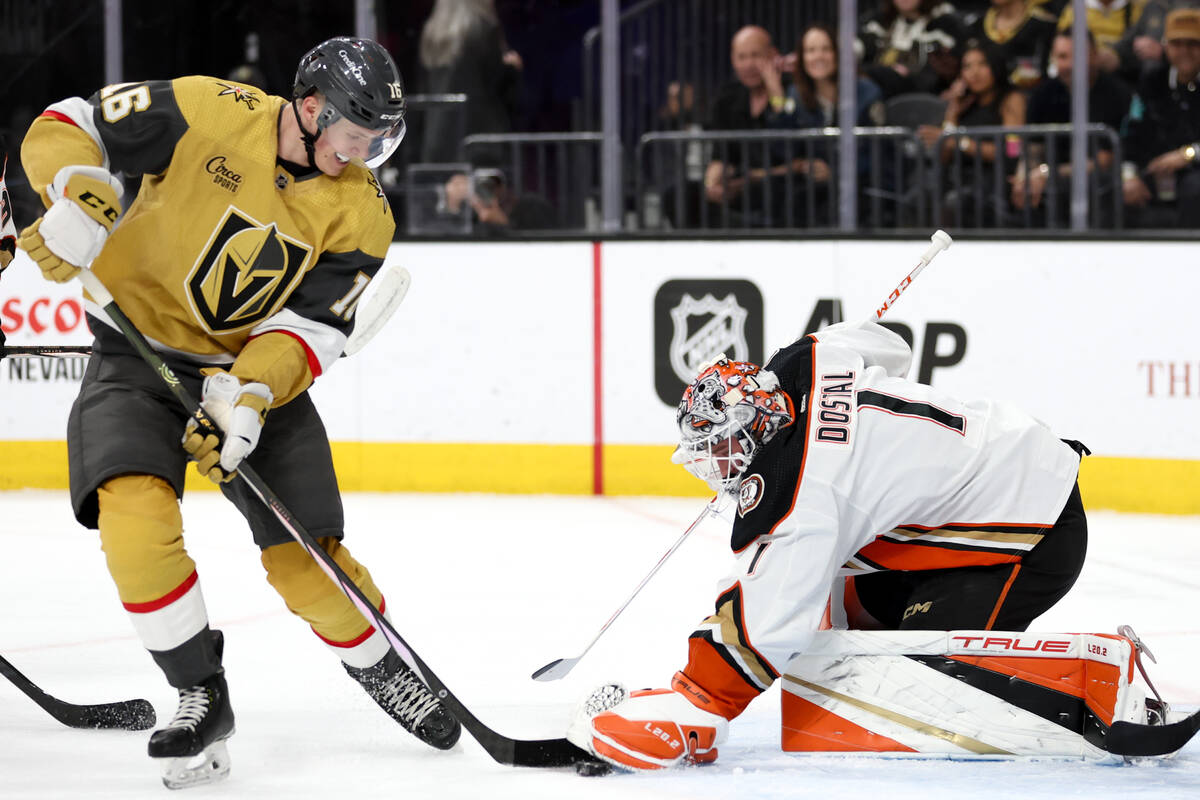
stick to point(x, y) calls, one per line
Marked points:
point(729, 412)
point(364, 97)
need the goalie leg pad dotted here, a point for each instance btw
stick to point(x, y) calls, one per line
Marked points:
point(960, 693)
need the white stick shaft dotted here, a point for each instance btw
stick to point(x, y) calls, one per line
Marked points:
point(564, 668)
point(938, 242)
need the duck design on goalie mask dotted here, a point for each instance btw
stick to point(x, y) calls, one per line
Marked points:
point(726, 415)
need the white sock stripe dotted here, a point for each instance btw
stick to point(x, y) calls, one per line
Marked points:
point(364, 654)
point(172, 625)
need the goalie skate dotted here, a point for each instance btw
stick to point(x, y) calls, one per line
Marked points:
point(191, 748)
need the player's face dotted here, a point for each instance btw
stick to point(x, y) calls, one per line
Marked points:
point(723, 452)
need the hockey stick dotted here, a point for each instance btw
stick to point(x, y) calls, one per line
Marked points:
point(515, 752)
point(393, 286)
point(559, 667)
point(938, 242)
point(1132, 739)
point(130, 715)
point(60, 351)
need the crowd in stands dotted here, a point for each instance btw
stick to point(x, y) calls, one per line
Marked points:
point(1000, 63)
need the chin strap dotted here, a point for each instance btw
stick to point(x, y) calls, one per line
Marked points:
point(309, 139)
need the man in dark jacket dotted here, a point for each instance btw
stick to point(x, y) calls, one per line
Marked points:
point(1162, 139)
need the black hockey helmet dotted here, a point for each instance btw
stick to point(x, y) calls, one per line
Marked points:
point(362, 86)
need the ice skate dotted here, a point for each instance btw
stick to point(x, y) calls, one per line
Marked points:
point(399, 692)
point(192, 746)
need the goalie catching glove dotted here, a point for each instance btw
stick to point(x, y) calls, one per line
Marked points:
point(85, 204)
point(239, 410)
point(647, 729)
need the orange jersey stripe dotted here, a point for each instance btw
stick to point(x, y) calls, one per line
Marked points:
point(890, 555)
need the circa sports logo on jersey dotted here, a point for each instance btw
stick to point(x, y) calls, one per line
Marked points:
point(240, 94)
point(695, 320)
point(245, 273)
point(750, 494)
point(223, 175)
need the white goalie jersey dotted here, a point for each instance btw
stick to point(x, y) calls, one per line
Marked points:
point(879, 473)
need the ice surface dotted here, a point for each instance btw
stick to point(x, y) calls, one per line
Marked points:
point(487, 589)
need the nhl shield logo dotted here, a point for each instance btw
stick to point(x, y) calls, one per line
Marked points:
point(721, 329)
point(695, 320)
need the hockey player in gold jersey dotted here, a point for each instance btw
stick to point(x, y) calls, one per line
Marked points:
point(257, 226)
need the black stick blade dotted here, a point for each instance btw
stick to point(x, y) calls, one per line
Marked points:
point(1131, 739)
point(550, 753)
point(129, 715)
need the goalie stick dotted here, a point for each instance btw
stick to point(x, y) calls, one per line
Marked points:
point(559, 667)
point(505, 750)
point(1134, 740)
point(370, 320)
point(130, 715)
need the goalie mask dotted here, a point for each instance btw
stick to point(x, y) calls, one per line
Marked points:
point(731, 410)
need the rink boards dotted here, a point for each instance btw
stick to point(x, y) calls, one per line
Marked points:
point(555, 367)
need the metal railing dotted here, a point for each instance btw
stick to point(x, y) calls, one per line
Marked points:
point(786, 179)
point(971, 191)
point(551, 181)
point(684, 44)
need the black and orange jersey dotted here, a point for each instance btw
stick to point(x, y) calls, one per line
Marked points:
point(222, 243)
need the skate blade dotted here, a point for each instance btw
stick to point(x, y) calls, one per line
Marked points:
point(208, 767)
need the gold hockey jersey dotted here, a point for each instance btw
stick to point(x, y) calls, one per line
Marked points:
point(222, 243)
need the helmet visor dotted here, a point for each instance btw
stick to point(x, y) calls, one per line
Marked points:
point(352, 141)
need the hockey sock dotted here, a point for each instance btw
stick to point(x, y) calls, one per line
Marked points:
point(310, 595)
point(141, 533)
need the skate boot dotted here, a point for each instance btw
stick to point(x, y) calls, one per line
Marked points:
point(192, 745)
point(399, 692)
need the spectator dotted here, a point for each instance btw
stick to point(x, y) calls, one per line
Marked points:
point(1108, 21)
point(943, 62)
point(1162, 182)
point(1022, 30)
point(815, 85)
point(1142, 43)
point(981, 96)
point(1050, 103)
point(813, 99)
point(898, 40)
point(755, 100)
point(463, 50)
point(496, 208)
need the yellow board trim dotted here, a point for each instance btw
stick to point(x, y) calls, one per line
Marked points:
point(1143, 485)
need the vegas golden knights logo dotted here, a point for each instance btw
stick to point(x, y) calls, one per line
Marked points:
point(244, 273)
